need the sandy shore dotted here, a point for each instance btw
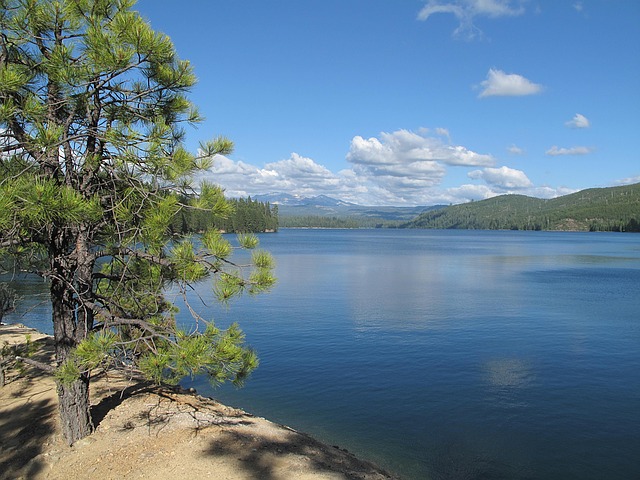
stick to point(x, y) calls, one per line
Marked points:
point(147, 432)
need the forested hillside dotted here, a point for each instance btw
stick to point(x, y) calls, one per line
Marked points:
point(597, 209)
point(249, 216)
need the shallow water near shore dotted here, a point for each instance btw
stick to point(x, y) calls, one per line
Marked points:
point(446, 354)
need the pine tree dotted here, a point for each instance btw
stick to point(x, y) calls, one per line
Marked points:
point(92, 170)
point(8, 299)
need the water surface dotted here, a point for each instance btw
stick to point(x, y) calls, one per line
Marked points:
point(450, 354)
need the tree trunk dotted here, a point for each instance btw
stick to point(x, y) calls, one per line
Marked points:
point(73, 398)
point(74, 407)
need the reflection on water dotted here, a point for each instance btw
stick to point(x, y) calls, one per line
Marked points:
point(508, 372)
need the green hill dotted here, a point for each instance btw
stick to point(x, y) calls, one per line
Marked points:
point(595, 209)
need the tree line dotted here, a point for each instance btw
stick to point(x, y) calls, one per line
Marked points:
point(318, 221)
point(245, 216)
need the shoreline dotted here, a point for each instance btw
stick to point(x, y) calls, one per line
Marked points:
point(143, 431)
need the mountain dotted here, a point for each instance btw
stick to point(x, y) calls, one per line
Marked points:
point(325, 201)
point(595, 209)
point(280, 199)
point(299, 201)
point(325, 206)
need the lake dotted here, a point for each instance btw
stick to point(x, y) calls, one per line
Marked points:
point(447, 354)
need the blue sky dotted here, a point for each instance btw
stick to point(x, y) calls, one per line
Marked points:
point(413, 102)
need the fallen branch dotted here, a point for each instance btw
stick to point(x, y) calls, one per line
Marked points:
point(34, 363)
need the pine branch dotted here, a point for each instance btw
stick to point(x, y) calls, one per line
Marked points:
point(145, 256)
point(112, 320)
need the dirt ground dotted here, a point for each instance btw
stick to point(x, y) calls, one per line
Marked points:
point(146, 432)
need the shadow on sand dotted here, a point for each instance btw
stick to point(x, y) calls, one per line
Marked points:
point(27, 417)
point(260, 455)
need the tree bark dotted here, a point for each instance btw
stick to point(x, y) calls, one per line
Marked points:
point(74, 408)
point(73, 398)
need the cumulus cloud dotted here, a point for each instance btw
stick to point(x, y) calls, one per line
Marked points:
point(398, 168)
point(302, 168)
point(499, 83)
point(297, 174)
point(546, 191)
point(406, 149)
point(503, 178)
point(468, 192)
point(465, 193)
point(410, 165)
point(578, 121)
point(466, 12)
point(557, 151)
point(302, 176)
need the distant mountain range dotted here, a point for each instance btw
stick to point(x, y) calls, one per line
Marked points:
point(595, 209)
point(325, 206)
point(289, 200)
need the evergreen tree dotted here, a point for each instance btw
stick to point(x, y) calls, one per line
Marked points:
point(8, 298)
point(92, 172)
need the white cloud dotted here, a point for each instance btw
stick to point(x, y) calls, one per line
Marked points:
point(297, 174)
point(467, 10)
point(407, 165)
point(402, 148)
point(556, 151)
point(578, 121)
point(398, 168)
point(578, 6)
point(503, 178)
point(548, 192)
point(465, 193)
point(515, 150)
point(302, 168)
point(468, 192)
point(443, 132)
point(363, 185)
point(503, 84)
point(628, 181)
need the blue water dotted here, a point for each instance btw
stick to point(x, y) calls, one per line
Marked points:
point(450, 354)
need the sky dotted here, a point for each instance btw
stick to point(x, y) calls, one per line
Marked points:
point(413, 102)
